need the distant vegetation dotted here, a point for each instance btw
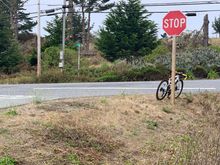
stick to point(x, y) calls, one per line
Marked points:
point(126, 47)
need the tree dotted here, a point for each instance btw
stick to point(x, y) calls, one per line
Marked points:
point(54, 30)
point(10, 57)
point(88, 6)
point(95, 5)
point(26, 24)
point(127, 32)
point(216, 25)
point(19, 20)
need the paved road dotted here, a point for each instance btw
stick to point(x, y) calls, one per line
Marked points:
point(11, 95)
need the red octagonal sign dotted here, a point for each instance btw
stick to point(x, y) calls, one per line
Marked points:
point(174, 23)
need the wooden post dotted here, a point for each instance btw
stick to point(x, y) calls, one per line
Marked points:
point(206, 31)
point(173, 71)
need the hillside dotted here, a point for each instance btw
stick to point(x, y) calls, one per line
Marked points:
point(113, 130)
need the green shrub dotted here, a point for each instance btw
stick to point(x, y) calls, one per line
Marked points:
point(109, 77)
point(51, 58)
point(158, 51)
point(32, 58)
point(212, 75)
point(190, 58)
point(145, 74)
point(199, 72)
point(216, 69)
point(6, 160)
point(190, 75)
point(12, 112)
point(151, 124)
point(74, 159)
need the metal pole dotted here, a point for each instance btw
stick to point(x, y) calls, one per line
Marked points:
point(173, 71)
point(38, 43)
point(78, 59)
point(63, 35)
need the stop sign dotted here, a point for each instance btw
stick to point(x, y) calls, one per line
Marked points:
point(174, 23)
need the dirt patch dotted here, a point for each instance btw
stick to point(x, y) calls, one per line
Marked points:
point(113, 130)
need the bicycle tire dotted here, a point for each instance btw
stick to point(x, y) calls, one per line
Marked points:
point(164, 90)
point(181, 89)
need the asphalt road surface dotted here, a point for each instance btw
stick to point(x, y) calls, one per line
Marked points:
point(11, 95)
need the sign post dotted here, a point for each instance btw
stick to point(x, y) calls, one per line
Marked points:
point(173, 70)
point(173, 24)
point(78, 45)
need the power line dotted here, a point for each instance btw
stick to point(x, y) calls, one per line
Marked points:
point(158, 4)
point(182, 3)
point(149, 12)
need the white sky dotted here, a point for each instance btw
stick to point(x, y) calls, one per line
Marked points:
point(192, 22)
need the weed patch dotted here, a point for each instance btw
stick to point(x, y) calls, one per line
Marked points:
point(11, 112)
point(188, 97)
point(151, 124)
point(3, 131)
point(74, 159)
point(167, 110)
point(7, 160)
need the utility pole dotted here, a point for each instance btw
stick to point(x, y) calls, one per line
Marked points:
point(70, 17)
point(206, 31)
point(62, 53)
point(38, 43)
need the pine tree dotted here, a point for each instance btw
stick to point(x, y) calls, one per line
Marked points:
point(10, 57)
point(216, 25)
point(54, 30)
point(19, 20)
point(127, 32)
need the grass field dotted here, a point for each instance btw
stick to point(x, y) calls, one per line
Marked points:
point(118, 130)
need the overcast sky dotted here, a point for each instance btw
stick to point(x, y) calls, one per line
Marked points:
point(192, 22)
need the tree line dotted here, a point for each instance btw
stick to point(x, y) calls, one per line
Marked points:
point(126, 34)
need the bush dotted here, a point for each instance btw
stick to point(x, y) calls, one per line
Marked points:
point(7, 161)
point(200, 72)
point(146, 74)
point(212, 75)
point(160, 50)
point(190, 58)
point(51, 58)
point(109, 77)
point(190, 75)
point(54, 76)
point(135, 74)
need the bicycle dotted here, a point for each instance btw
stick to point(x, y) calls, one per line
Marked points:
point(164, 88)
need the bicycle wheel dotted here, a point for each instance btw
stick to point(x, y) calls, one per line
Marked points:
point(162, 90)
point(178, 88)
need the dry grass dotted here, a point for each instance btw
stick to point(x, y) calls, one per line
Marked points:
point(214, 41)
point(114, 130)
